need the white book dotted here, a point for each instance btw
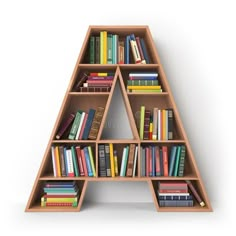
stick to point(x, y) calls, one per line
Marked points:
point(155, 123)
point(143, 74)
point(159, 125)
point(135, 160)
point(123, 162)
point(80, 126)
point(173, 194)
point(69, 163)
point(53, 162)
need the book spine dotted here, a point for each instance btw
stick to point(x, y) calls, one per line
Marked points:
point(126, 160)
point(84, 163)
point(112, 160)
point(153, 161)
point(177, 161)
point(161, 162)
point(62, 161)
point(151, 127)
point(165, 160)
point(80, 162)
point(65, 158)
point(83, 126)
point(143, 162)
point(80, 125)
point(81, 81)
point(69, 163)
point(65, 125)
point(121, 52)
point(53, 162)
point(159, 125)
point(95, 89)
point(123, 163)
point(75, 161)
point(135, 161)
point(96, 123)
point(178, 203)
point(97, 49)
point(142, 82)
point(88, 163)
point(92, 50)
point(141, 125)
point(157, 156)
point(163, 124)
point(140, 50)
point(147, 161)
point(101, 47)
point(75, 126)
point(102, 160)
point(130, 160)
point(155, 123)
point(195, 193)
point(182, 161)
point(146, 124)
point(172, 160)
point(57, 156)
point(108, 161)
point(92, 160)
point(144, 49)
point(127, 43)
point(109, 49)
point(150, 87)
point(170, 124)
point(134, 48)
point(88, 124)
point(150, 161)
point(104, 47)
point(115, 162)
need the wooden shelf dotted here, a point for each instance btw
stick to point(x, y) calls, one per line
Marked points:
point(75, 100)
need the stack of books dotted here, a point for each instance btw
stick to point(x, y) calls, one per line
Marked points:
point(158, 161)
point(174, 194)
point(145, 82)
point(83, 125)
point(156, 124)
point(73, 161)
point(108, 161)
point(95, 82)
point(60, 194)
point(109, 48)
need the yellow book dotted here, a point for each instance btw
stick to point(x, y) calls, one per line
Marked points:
point(116, 163)
point(101, 47)
point(112, 160)
point(59, 199)
point(91, 160)
point(104, 47)
point(163, 124)
point(57, 157)
point(143, 87)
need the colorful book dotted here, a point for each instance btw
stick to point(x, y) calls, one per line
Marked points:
point(143, 162)
point(97, 50)
point(84, 162)
point(62, 161)
point(112, 160)
point(92, 160)
point(141, 125)
point(151, 87)
point(101, 47)
point(116, 162)
point(142, 82)
point(88, 162)
point(182, 161)
point(134, 49)
point(69, 163)
point(170, 124)
point(65, 125)
point(75, 125)
point(146, 124)
point(75, 161)
point(109, 49)
point(143, 61)
point(135, 161)
point(127, 49)
point(57, 161)
point(155, 123)
point(88, 124)
point(195, 193)
point(122, 168)
point(80, 125)
point(95, 89)
point(172, 160)
point(177, 161)
point(104, 47)
point(158, 165)
point(54, 162)
point(80, 162)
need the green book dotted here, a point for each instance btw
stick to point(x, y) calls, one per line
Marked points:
point(75, 125)
point(75, 161)
point(126, 161)
point(91, 160)
point(177, 161)
point(181, 162)
point(145, 90)
point(142, 82)
point(141, 125)
point(109, 49)
point(92, 50)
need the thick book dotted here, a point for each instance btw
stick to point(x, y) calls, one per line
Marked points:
point(146, 124)
point(145, 52)
point(139, 82)
point(92, 50)
point(145, 75)
point(80, 125)
point(102, 160)
point(170, 124)
point(80, 162)
point(116, 162)
point(95, 89)
point(130, 160)
point(139, 87)
point(65, 125)
point(101, 74)
point(75, 161)
point(88, 124)
point(195, 193)
point(122, 168)
point(96, 123)
point(81, 81)
point(83, 126)
point(98, 77)
point(178, 153)
point(108, 161)
point(62, 161)
point(75, 125)
point(141, 125)
point(151, 127)
point(176, 203)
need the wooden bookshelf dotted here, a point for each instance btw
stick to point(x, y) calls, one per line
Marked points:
point(86, 100)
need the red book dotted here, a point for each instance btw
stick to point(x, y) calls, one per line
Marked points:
point(84, 163)
point(80, 161)
point(65, 125)
point(109, 82)
point(158, 167)
point(59, 204)
point(165, 160)
point(103, 78)
point(83, 125)
point(173, 184)
point(147, 161)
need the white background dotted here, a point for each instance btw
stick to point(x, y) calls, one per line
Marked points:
point(39, 45)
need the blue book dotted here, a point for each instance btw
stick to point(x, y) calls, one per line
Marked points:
point(88, 163)
point(127, 49)
point(65, 157)
point(172, 160)
point(60, 184)
point(145, 53)
point(88, 124)
point(153, 149)
point(161, 162)
point(132, 37)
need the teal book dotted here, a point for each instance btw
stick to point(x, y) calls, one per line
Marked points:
point(172, 160)
point(126, 160)
point(75, 161)
point(92, 50)
point(177, 161)
point(75, 125)
point(109, 49)
point(182, 161)
point(88, 163)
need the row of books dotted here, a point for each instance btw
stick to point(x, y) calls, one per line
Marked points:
point(82, 125)
point(156, 124)
point(108, 161)
point(158, 161)
point(177, 194)
point(143, 82)
point(73, 161)
point(60, 193)
point(95, 82)
point(109, 48)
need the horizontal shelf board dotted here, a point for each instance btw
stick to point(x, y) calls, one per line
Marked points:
point(163, 141)
point(73, 141)
point(118, 141)
point(184, 209)
point(147, 94)
point(37, 208)
point(89, 93)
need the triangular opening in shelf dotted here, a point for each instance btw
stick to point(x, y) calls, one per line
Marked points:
point(117, 124)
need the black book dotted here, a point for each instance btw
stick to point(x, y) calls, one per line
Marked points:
point(108, 162)
point(102, 160)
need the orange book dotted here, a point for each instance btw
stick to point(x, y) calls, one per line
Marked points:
point(57, 157)
point(163, 125)
point(165, 160)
